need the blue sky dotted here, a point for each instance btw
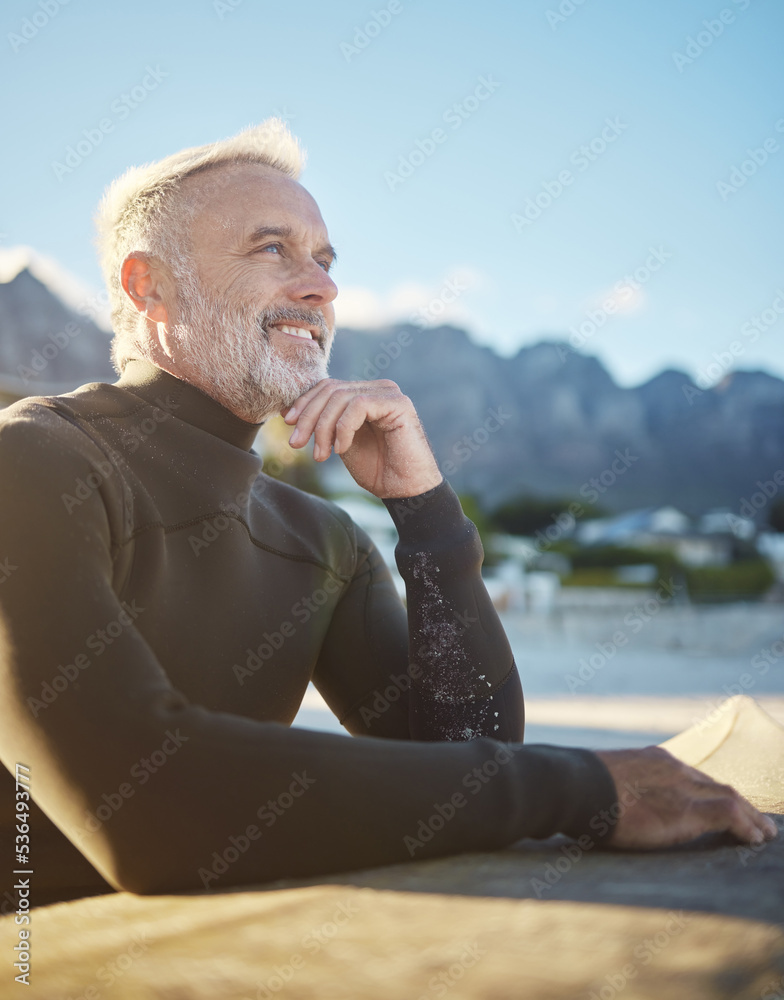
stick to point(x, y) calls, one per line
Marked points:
point(639, 123)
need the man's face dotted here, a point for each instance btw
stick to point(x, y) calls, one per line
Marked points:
point(255, 324)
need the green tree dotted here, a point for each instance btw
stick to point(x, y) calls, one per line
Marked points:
point(744, 580)
point(525, 515)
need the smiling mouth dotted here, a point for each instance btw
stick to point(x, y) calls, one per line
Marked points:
point(301, 332)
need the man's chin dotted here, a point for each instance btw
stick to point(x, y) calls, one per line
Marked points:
point(268, 400)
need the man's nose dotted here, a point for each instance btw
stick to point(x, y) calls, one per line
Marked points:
point(312, 284)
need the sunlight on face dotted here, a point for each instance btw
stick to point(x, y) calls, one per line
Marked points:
point(225, 349)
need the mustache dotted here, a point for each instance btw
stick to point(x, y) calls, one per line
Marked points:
point(288, 314)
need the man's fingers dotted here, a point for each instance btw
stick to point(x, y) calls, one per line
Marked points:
point(374, 427)
point(758, 826)
point(723, 811)
point(338, 422)
point(752, 825)
point(679, 803)
point(348, 423)
point(290, 416)
point(726, 809)
point(717, 807)
point(332, 412)
point(307, 412)
point(328, 386)
point(320, 419)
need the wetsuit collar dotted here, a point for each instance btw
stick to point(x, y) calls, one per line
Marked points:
point(186, 402)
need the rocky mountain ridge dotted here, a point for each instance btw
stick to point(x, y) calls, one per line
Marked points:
point(548, 421)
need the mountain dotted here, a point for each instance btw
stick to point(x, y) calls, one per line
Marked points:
point(552, 422)
point(548, 421)
point(46, 343)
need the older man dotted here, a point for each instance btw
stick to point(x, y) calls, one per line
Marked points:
point(170, 602)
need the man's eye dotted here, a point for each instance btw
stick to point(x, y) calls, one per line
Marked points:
point(275, 247)
point(326, 264)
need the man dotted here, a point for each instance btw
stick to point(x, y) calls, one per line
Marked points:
point(169, 603)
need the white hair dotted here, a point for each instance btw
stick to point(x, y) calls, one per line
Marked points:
point(142, 211)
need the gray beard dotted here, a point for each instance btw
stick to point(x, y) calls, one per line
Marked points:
point(225, 351)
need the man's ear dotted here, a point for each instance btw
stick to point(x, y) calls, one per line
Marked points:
point(147, 286)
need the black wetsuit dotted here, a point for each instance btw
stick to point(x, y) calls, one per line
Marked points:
point(163, 606)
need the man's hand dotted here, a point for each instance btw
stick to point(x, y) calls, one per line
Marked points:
point(676, 802)
point(375, 430)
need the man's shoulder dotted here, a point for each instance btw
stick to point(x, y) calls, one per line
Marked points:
point(34, 421)
point(45, 452)
point(54, 422)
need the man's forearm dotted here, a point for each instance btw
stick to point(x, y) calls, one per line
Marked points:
point(464, 683)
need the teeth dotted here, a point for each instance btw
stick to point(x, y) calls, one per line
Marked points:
point(296, 331)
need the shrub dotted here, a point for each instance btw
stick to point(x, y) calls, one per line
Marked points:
point(739, 581)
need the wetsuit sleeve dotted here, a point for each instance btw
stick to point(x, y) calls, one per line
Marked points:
point(464, 680)
point(443, 672)
point(84, 700)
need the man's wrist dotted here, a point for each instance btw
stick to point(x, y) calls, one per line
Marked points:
point(437, 511)
point(570, 790)
point(421, 487)
point(414, 497)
